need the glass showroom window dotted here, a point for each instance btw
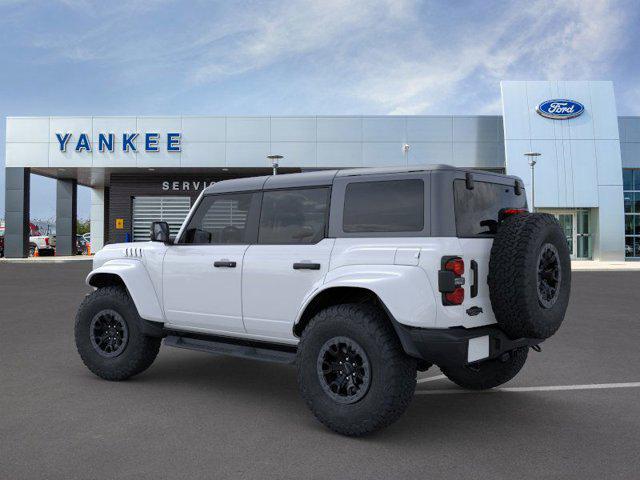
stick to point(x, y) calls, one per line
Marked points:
point(631, 180)
point(583, 234)
point(576, 225)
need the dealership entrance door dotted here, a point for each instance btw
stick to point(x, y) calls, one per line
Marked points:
point(170, 209)
point(576, 225)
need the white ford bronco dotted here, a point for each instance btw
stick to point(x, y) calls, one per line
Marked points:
point(359, 277)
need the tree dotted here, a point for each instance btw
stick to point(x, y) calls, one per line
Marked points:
point(84, 226)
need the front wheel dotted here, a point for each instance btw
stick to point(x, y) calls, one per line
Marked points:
point(108, 335)
point(352, 370)
point(490, 373)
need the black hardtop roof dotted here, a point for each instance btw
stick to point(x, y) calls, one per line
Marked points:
point(323, 177)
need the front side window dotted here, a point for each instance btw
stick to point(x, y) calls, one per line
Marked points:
point(477, 209)
point(386, 206)
point(220, 219)
point(296, 216)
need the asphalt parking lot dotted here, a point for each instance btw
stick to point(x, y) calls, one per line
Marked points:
point(193, 415)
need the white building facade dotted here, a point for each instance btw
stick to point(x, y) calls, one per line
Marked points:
point(152, 168)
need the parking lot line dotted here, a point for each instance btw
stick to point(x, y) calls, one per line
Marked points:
point(547, 388)
point(430, 379)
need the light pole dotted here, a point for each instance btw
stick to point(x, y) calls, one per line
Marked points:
point(532, 163)
point(274, 162)
point(405, 153)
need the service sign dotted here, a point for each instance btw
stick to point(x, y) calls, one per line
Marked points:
point(149, 141)
point(186, 186)
point(560, 109)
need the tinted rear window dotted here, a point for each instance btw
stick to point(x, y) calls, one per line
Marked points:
point(477, 209)
point(296, 216)
point(387, 206)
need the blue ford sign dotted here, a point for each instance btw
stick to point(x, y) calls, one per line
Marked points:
point(107, 142)
point(560, 109)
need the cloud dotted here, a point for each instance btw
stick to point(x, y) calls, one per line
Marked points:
point(390, 56)
point(538, 40)
point(293, 30)
point(400, 62)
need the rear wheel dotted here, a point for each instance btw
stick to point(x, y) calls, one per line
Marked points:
point(108, 335)
point(352, 371)
point(490, 373)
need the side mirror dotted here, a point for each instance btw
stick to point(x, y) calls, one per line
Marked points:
point(160, 232)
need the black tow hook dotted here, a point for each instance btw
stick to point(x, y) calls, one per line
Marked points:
point(536, 348)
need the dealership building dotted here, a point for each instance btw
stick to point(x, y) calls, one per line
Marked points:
point(145, 168)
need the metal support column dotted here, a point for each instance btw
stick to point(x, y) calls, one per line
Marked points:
point(17, 190)
point(66, 217)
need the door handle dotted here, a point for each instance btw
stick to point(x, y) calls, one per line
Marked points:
point(476, 279)
point(224, 263)
point(306, 266)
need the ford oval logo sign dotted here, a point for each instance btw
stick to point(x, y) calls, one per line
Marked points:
point(560, 109)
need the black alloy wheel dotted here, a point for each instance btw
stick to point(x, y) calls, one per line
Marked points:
point(109, 333)
point(549, 275)
point(344, 370)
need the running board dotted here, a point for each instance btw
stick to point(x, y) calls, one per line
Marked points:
point(216, 345)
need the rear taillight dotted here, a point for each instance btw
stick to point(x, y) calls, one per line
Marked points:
point(456, 297)
point(455, 265)
point(450, 280)
point(46, 241)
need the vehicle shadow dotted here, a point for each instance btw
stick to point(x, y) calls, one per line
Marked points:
point(273, 388)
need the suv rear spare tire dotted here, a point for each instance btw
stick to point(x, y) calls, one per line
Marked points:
point(529, 275)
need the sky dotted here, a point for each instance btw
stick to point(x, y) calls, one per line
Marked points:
point(147, 57)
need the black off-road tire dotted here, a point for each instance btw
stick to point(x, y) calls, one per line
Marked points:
point(392, 378)
point(514, 277)
point(140, 350)
point(488, 374)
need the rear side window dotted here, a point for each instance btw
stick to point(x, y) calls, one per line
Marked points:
point(477, 209)
point(387, 206)
point(220, 219)
point(297, 216)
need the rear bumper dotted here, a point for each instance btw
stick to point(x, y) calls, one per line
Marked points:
point(459, 346)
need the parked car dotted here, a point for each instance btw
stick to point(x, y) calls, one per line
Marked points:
point(359, 277)
point(1, 241)
point(44, 243)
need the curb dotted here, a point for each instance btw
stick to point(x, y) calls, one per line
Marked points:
point(605, 266)
point(47, 260)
